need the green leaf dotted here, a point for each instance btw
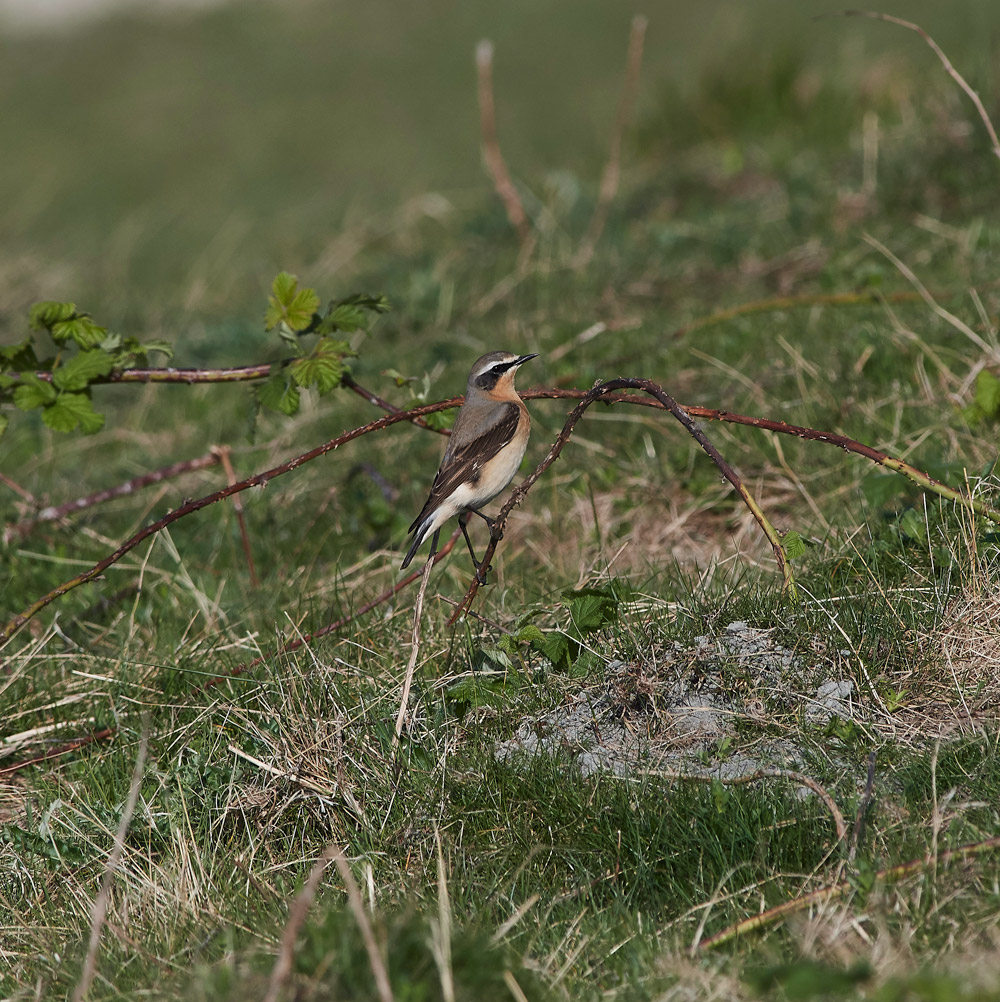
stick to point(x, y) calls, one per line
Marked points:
point(4, 421)
point(82, 369)
point(529, 633)
point(33, 392)
point(289, 304)
point(985, 404)
point(81, 329)
point(592, 608)
point(279, 394)
point(323, 367)
point(70, 410)
point(45, 315)
point(350, 314)
point(794, 544)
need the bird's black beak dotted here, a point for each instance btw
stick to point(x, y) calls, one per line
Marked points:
point(523, 359)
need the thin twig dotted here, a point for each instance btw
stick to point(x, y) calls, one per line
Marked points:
point(223, 451)
point(491, 147)
point(945, 62)
point(53, 513)
point(612, 170)
point(418, 608)
point(811, 434)
point(70, 746)
point(17, 488)
point(100, 909)
point(892, 873)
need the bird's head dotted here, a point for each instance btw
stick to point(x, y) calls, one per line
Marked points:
point(494, 372)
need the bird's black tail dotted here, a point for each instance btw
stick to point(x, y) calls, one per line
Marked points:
point(419, 536)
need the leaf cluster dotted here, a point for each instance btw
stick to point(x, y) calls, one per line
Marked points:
point(294, 313)
point(54, 374)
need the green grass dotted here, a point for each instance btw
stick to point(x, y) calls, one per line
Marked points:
point(166, 201)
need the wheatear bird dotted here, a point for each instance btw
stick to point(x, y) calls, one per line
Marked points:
point(486, 448)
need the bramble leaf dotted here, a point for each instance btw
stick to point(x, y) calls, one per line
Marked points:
point(70, 410)
point(33, 392)
point(323, 367)
point(82, 369)
point(45, 315)
point(793, 544)
point(279, 394)
point(82, 329)
point(290, 305)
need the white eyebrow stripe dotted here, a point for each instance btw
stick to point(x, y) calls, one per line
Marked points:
point(490, 366)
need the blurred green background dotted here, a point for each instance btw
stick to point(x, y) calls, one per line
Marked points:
point(162, 166)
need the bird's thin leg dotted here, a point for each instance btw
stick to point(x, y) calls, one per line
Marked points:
point(434, 544)
point(463, 520)
point(491, 522)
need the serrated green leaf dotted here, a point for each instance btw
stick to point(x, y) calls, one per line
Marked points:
point(70, 410)
point(113, 341)
point(592, 608)
point(82, 369)
point(345, 317)
point(289, 304)
point(323, 367)
point(82, 330)
point(279, 394)
point(44, 315)
point(33, 392)
point(530, 634)
point(793, 544)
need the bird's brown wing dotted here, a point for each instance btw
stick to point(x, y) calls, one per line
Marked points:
point(466, 465)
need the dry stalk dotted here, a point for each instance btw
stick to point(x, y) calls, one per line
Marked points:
point(418, 609)
point(859, 818)
point(491, 146)
point(223, 452)
point(889, 874)
point(99, 911)
point(945, 62)
point(612, 170)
